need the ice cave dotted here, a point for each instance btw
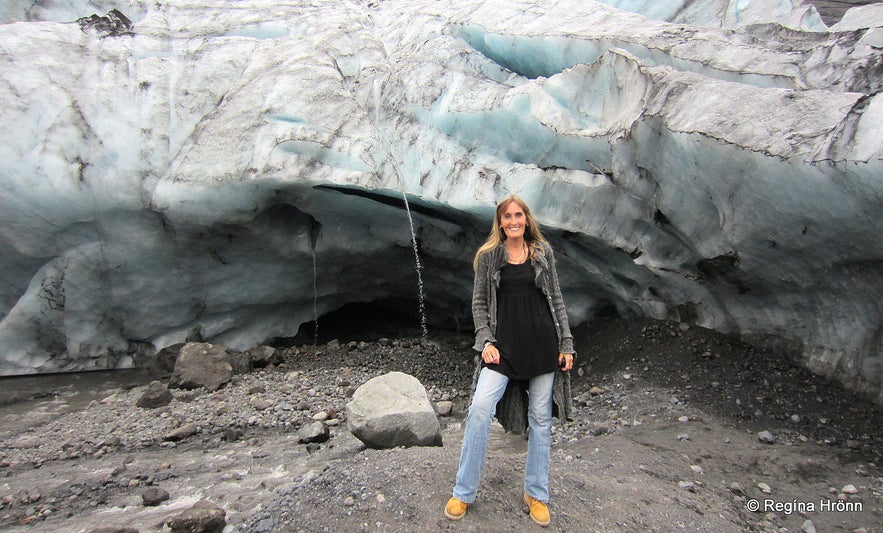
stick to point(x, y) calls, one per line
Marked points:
point(194, 169)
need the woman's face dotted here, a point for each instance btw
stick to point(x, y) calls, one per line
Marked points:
point(513, 220)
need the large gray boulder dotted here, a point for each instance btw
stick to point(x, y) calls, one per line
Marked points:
point(393, 410)
point(201, 364)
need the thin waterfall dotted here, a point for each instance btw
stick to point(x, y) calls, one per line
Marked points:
point(421, 306)
point(421, 302)
point(315, 229)
point(315, 301)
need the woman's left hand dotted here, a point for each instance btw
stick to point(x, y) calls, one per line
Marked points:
point(565, 361)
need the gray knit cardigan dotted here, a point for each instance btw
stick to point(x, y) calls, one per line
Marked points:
point(511, 411)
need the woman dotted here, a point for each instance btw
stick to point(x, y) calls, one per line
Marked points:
point(522, 332)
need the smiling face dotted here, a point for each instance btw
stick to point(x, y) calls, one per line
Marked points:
point(513, 221)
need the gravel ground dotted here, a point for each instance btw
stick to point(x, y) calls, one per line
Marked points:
point(676, 429)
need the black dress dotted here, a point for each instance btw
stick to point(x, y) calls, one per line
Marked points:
point(526, 335)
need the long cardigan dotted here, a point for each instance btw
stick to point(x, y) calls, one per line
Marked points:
point(511, 411)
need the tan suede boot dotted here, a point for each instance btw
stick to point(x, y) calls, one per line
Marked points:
point(538, 510)
point(455, 509)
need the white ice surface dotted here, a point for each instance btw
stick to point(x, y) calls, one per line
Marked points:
point(720, 167)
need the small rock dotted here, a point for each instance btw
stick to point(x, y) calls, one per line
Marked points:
point(182, 432)
point(203, 517)
point(156, 395)
point(600, 428)
point(687, 485)
point(313, 432)
point(321, 416)
point(113, 24)
point(684, 437)
point(201, 365)
point(764, 488)
point(261, 404)
point(696, 469)
point(596, 391)
point(444, 408)
point(232, 434)
point(112, 529)
point(154, 496)
point(240, 362)
point(736, 488)
point(808, 527)
point(264, 356)
point(849, 489)
point(766, 437)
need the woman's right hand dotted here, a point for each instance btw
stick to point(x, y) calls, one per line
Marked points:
point(490, 354)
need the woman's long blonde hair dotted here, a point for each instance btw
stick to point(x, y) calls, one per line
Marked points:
point(532, 234)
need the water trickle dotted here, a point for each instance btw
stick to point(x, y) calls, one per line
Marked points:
point(420, 297)
point(421, 305)
point(315, 229)
point(315, 301)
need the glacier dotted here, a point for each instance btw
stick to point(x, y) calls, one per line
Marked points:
point(231, 172)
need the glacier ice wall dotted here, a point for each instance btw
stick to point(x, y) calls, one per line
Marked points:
point(231, 172)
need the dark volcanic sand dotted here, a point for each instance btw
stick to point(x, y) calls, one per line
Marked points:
point(665, 438)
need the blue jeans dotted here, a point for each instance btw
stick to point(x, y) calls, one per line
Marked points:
point(490, 388)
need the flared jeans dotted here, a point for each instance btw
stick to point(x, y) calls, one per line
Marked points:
point(488, 391)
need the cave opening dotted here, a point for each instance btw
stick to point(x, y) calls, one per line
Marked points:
point(392, 318)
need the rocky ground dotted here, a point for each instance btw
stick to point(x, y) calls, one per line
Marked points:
point(677, 429)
